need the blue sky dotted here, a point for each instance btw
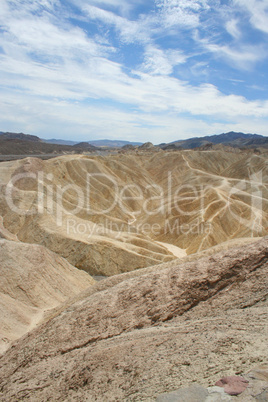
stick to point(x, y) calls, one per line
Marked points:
point(143, 70)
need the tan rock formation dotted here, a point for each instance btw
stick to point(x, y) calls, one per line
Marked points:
point(121, 212)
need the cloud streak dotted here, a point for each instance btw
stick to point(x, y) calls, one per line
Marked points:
point(258, 12)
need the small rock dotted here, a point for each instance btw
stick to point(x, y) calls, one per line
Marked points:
point(233, 385)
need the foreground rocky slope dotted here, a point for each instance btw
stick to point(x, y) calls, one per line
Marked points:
point(114, 214)
point(33, 281)
point(139, 334)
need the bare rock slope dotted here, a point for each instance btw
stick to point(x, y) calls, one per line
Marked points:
point(33, 281)
point(134, 336)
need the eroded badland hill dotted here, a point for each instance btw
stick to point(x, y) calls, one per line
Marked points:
point(181, 237)
point(113, 214)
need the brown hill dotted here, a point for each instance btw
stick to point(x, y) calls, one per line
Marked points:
point(19, 136)
point(131, 338)
point(18, 146)
point(33, 281)
point(85, 145)
point(121, 212)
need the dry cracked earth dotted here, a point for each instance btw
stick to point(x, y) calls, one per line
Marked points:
point(184, 301)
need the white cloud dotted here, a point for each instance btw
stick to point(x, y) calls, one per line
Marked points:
point(130, 31)
point(232, 28)
point(258, 11)
point(22, 8)
point(103, 79)
point(3, 9)
point(200, 69)
point(44, 37)
point(158, 61)
point(241, 55)
point(170, 14)
point(181, 12)
point(123, 6)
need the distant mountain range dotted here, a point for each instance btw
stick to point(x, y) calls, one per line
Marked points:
point(25, 145)
point(96, 143)
point(233, 139)
point(19, 143)
point(59, 142)
point(113, 143)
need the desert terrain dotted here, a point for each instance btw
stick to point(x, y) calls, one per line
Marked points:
point(180, 237)
point(108, 215)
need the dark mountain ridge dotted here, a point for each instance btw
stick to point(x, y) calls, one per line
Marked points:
point(232, 138)
point(14, 146)
point(19, 136)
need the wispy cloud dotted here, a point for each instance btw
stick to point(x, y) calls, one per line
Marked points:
point(236, 49)
point(258, 11)
point(232, 28)
point(124, 7)
point(181, 12)
point(130, 31)
point(243, 57)
point(161, 62)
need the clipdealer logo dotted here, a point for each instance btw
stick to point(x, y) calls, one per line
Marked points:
point(51, 198)
point(176, 228)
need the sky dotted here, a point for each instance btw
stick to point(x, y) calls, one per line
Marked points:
point(136, 70)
